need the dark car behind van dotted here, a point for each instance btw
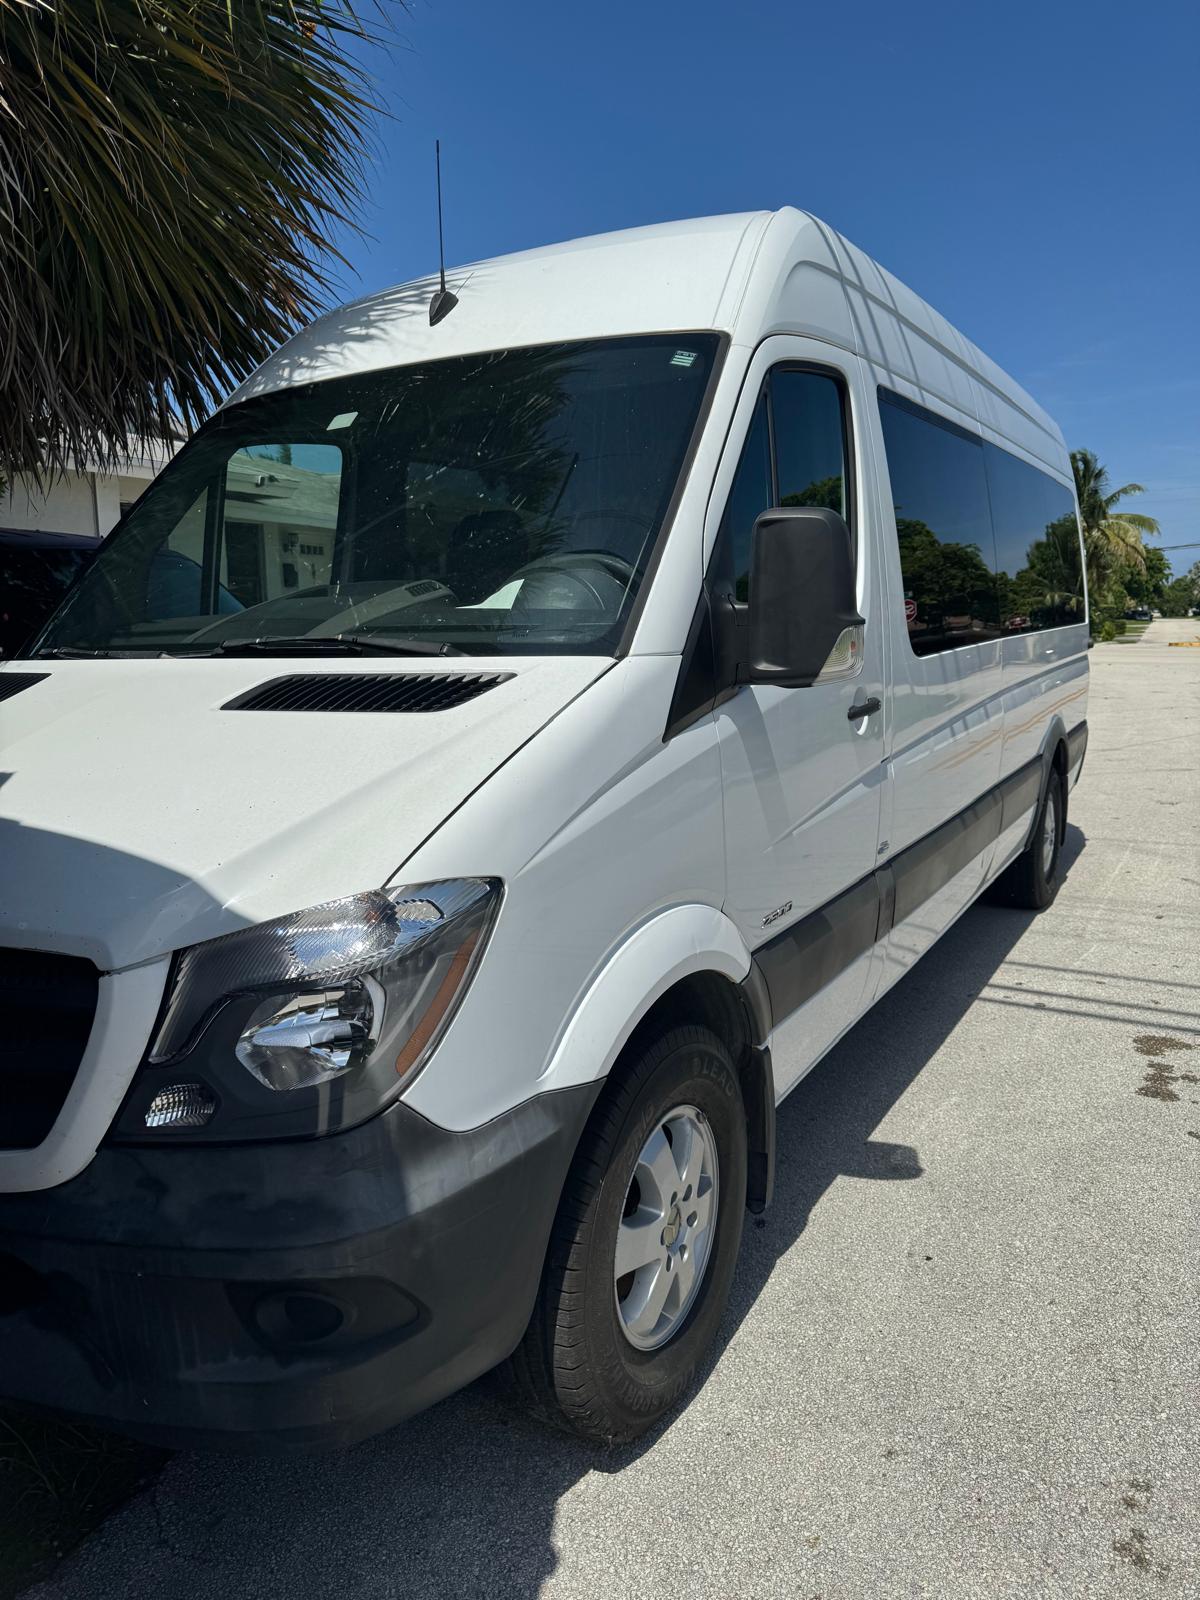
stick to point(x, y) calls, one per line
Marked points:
point(37, 568)
point(35, 571)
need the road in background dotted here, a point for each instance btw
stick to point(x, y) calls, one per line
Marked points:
point(961, 1358)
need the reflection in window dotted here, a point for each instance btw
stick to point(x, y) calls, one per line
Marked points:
point(175, 575)
point(750, 495)
point(803, 412)
point(809, 440)
point(501, 501)
point(1039, 571)
point(943, 521)
point(280, 518)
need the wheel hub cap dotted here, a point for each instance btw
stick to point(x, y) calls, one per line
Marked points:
point(1049, 833)
point(664, 1240)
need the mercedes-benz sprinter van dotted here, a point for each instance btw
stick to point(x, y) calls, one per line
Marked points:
point(483, 774)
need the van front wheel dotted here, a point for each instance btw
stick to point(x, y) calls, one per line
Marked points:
point(643, 1248)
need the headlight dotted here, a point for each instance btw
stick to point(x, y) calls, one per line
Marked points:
point(316, 1021)
point(308, 1038)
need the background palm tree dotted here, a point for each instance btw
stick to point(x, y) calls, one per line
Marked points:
point(1112, 540)
point(171, 173)
point(1121, 531)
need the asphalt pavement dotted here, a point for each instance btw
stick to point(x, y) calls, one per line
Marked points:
point(962, 1354)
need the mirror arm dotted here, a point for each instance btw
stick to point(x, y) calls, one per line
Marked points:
point(729, 624)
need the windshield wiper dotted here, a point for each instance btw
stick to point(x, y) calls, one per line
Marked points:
point(72, 652)
point(339, 644)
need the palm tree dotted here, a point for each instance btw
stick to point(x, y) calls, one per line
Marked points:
point(1112, 540)
point(1120, 532)
point(171, 173)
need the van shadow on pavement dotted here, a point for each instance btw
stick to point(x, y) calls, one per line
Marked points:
point(460, 1502)
point(826, 1123)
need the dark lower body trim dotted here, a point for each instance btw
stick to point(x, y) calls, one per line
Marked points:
point(798, 963)
point(281, 1296)
point(1077, 747)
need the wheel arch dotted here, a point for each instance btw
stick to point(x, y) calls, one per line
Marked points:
point(1054, 754)
point(688, 963)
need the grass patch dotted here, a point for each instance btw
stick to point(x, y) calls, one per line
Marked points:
point(1133, 632)
point(58, 1481)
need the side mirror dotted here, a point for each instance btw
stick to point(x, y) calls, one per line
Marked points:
point(802, 595)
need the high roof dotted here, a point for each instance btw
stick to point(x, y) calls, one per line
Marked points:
point(749, 274)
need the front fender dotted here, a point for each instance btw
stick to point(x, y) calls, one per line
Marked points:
point(672, 945)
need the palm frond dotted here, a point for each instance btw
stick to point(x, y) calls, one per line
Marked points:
point(171, 175)
point(1124, 540)
point(1111, 498)
point(1122, 531)
point(1138, 520)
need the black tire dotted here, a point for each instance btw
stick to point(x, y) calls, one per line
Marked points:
point(575, 1366)
point(1031, 881)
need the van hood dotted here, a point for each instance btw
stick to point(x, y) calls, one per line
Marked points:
point(140, 813)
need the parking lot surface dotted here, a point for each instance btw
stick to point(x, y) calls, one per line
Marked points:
point(961, 1357)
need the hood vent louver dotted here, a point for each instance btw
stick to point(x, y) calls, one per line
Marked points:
point(12, 683)
point(367, 691)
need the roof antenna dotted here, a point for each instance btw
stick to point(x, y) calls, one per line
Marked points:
point(443, 302)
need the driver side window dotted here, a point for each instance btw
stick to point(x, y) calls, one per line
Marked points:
point(264, 527)
point(796, 454)
point(280, 519)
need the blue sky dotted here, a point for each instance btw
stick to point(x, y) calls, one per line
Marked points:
point(1031, 169)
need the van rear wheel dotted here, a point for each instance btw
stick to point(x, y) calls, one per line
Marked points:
point(644, 1244)
point(1033, 879)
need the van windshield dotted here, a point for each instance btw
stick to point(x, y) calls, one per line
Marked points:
point(495, 503)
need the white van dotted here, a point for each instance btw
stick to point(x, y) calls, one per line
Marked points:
point(482, 775)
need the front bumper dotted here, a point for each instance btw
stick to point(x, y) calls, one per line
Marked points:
point(285, 1295)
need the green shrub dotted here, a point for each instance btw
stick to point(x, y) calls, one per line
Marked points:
point(1120, 625)
point(1108, 632)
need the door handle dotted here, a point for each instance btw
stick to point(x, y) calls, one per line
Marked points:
point(864, 708)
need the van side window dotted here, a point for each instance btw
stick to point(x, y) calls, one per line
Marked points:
point(175, 576)
point(944, 527)
point(278, 509)
point(1039, 573)
point(750, 494)
point(802, 414)
point(281, 510)
point(810, 441)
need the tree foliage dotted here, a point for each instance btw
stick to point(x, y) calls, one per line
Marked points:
point(1110, 537)
point(1052, 576)
point(945, 578)
point(171, 173)
point(1145, 585)
point(1182, 595)
point(827, 492)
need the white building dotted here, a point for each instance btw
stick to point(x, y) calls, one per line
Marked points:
point(83, 500)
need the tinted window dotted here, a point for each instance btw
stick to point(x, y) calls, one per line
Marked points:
point(175, 585)
point(1038, 569)
point(943, 521)
point(750, 494)
point(503, 501)
point(280, 519)
point(807, 423)
point(810, 450)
